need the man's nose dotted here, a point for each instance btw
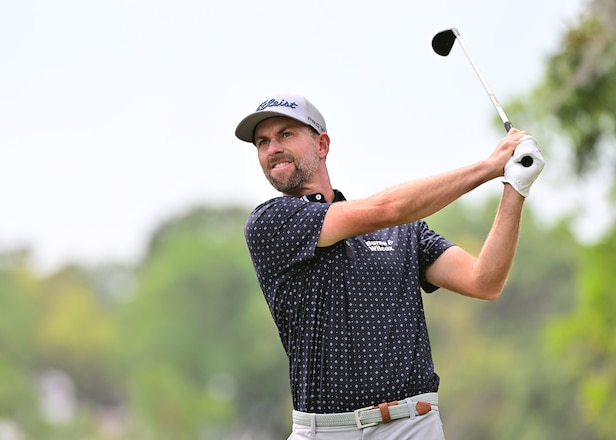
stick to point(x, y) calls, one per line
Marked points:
point(274, 146)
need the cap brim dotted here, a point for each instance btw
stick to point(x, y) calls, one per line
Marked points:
point(246, 128)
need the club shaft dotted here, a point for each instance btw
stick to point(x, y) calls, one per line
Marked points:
point(486, 86)
point(443, 46)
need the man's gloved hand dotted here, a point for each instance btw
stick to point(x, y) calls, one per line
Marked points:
point(519, 176)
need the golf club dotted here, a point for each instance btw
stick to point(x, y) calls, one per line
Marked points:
point(442, 44)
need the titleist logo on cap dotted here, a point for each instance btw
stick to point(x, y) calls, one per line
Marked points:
point(292, 106)
point(275, 103)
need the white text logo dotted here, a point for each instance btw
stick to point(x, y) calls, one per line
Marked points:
point(380, 245)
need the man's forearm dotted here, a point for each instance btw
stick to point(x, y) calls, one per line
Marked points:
point(404, 203)
point(421, 198)
point(414, 200)
point(495, 260)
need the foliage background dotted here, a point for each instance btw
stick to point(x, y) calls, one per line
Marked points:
point(182, 346)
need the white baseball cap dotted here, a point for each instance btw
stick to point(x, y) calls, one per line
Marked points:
point(289, 105)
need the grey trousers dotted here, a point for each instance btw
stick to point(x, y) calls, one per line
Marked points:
point(424, 427)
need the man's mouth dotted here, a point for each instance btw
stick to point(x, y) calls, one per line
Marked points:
point(281, 165)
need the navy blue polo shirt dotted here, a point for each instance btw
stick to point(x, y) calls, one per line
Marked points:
point(350, 316)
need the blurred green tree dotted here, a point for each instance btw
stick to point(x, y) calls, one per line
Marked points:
point(577, 96)
point(202, 357)
point(183, 346)
point(18, 346)
point(77, 332)
point(586, 338)
point(498, 381)
point(577, 99)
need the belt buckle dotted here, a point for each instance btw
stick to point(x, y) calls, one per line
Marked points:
point(358, 422)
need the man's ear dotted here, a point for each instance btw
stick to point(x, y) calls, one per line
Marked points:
point(323, 145)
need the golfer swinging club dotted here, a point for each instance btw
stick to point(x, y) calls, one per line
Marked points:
point(342, 278)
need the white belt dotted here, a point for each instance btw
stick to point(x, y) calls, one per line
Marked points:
point(372, 415)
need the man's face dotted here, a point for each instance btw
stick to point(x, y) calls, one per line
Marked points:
point(287, 151)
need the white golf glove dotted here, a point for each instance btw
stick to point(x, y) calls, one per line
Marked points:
point(516, 174)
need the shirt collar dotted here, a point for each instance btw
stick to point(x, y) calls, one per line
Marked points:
point(318, 197)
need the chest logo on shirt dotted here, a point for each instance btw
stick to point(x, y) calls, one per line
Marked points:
point(380, 245)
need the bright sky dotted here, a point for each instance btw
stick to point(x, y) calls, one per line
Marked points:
point(117, 115)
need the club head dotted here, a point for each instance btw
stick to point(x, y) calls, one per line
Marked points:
point(443, 41)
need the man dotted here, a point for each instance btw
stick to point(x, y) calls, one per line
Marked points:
point(342, 278)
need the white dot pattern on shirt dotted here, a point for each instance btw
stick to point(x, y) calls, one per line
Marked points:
point(350, 318)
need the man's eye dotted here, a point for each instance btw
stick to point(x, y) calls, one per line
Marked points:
point(286, 134)
point(261, 143)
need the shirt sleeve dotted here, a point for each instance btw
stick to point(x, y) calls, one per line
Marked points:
point(283, 233)
point(431, 246)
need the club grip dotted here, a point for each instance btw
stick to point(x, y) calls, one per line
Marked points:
point(526, 160)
